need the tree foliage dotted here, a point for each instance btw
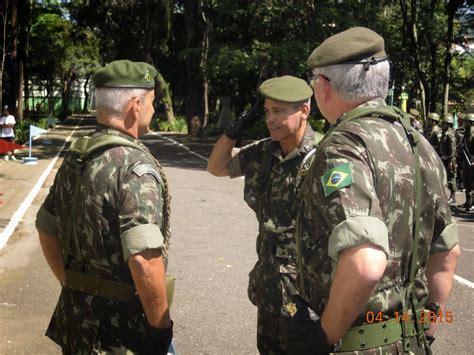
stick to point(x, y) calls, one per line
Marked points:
point(207, 49)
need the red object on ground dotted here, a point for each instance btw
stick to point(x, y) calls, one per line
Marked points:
point(9, 147)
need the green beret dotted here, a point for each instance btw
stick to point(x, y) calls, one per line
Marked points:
point(125, 74)
point(357, 45)
point(286, 89)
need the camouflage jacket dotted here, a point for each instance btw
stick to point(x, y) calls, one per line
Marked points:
point(360, 189)
point(434, 135)
point(467, 143)
point(448, 145)
point(119, 212)
point(270, 190)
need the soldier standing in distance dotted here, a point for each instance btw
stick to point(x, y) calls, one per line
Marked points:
point(359, 224)
point(448, 150)
point(467, 159)
point(433, 131)
point(270, 169)
point(414, 120)
point(104, 226)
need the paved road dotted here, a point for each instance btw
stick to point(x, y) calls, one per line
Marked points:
point(212, 251)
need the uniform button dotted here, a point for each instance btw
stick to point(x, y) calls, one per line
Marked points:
point(82, 288)
point(385, 340)
point(362, 345)
point(361, 331)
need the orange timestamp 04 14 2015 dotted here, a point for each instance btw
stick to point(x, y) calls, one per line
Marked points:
point(426, 316)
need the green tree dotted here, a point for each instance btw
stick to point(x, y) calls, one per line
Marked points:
point(131, 29)
point(62, 51)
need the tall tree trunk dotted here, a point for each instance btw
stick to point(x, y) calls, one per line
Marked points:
point(19, 112)
point(163, 91)
point(14, 56)
point(409, 16)
point(205, 52)
point(162, 87)
point(451, 8)
point(85, 107)
point(24, 51)
point(4, 49)
point(194, 75)
point(66, 93)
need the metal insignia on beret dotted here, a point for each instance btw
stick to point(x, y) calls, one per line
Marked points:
point(143, 169)
point(147, 75)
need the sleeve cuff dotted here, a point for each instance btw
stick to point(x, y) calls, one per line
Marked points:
point(140, 238)
point(46, 222)
point(356, 231)
point(447, 240)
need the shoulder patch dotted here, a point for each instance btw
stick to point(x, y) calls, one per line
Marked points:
point(337, 178)
point(143, 169)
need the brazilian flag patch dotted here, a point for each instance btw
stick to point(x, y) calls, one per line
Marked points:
point(337, 178)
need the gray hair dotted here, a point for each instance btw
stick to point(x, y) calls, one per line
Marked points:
point(353, 83)
point(111, 102)
point(297, 105)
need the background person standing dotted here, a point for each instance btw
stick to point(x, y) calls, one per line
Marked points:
point(448, 153)
point(433, 130)
point(467, 159)
point(270, 169)
point(7, 123)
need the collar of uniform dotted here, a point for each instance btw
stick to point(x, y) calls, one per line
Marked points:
point(371, 103)
point(306, 145)
point(103, 129)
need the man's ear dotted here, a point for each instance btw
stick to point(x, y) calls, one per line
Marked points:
point(326, 89)
point(135, 106)
point(305, 111)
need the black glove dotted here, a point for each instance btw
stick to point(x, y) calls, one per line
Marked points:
point(157, 341)
point(305, 335)
point(430, 339)
point(245, 120)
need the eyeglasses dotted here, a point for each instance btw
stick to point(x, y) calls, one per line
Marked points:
point(315, 77)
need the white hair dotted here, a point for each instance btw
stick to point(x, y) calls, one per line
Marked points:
point(353, 83)
point(111, 102)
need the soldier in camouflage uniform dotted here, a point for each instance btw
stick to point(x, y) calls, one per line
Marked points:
point(362, 200)
point(467, 159)
point(414, 120)
point(448, 152)
point(270, 169)
point(433, 131)
point(104, 226)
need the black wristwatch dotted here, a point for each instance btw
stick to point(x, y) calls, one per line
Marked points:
point(433, 307)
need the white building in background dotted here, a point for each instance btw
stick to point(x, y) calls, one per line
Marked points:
point(38, 100)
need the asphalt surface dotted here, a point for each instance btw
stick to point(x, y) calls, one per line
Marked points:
point(212, 250)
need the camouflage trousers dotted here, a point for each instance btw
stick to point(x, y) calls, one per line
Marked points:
point(468, 178)
point(450, 166)
point(271, 332)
